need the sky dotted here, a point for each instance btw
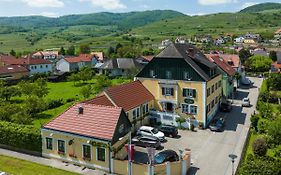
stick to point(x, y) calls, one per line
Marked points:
point(55, 8)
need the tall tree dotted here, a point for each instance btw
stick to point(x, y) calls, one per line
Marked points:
point(244, 54)
point(62, 51)
point(13, 53)
point(273, 55)
point(71, 50)
point(85, 49)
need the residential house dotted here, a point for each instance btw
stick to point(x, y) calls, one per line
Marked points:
point(276, 66)
point(180, 40)
point(228, 74)
point(239, 39)
point(184, 83)
point(133, 97)
point(99, 56)
point(119, 67)
point(252, 38)
point(87, 135)
point(47, 55)
point(70, 64)
point(13, 72)
point(277, 35)
point(165, 43)
point(144, 59)
point(259, 51)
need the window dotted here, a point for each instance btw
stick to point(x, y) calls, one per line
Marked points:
point(46, 66)
point(186, 76)
point(184, 108)
point(168, 91)
point(189, 93)
point(220, 83)
point(169, 118)
point(31, 67)
point(216, 86)
point(87, 152)
point(145, 108)
point(152, 73)
point(213, 89)
point(101, 154)
point(136, 113)
point(213, 103)
point(35, 67)
point(216, 100)
point(208, 92)
point(49, 143)
point(193, 109)
point(168, 74)
point(127, 114)
point(41, 66)
point(61, 146)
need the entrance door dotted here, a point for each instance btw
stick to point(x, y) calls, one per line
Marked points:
point(169, 107)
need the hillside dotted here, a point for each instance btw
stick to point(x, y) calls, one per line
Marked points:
point(263, 7)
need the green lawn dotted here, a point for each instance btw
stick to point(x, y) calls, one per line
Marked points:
point(22, 167)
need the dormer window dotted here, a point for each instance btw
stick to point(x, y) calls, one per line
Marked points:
point(186, 76)
point(168, 74)
point(152, 73)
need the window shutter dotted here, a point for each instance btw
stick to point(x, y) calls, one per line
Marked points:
point(163, 91)
point(194, 93)
point(172, 91)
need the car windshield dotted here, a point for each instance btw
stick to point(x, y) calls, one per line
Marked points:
point(159, 158)
point(246, 99)
point(154, 131)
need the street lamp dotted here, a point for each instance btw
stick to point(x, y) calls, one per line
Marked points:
point(232, 157)
point(129, 154)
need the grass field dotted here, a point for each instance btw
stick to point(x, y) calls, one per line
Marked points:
point(22, 167)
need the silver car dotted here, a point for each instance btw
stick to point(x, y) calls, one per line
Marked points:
point(246, 102)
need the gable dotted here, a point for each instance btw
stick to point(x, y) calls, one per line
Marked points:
point(124, 123)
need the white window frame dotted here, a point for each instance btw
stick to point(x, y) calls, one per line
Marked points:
point(191, 111)
point(64, 145)
point(137, 112)
point(90, 150)
point(145, 108)
point(190, 92)
point(168, 74)
point(104, 154)
point(186, 75)
point(168, 92)
point(51, 142)
point(188, 109)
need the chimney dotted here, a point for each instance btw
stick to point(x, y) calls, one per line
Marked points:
point(80, 110)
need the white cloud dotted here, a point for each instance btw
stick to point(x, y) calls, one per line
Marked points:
point(215, 2)
point(248, 4)
point(108, 4)
point(44, 3)
point(49, 14)
point(195, 14)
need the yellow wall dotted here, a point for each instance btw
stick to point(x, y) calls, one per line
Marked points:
point(75, 148)
point(217, 92)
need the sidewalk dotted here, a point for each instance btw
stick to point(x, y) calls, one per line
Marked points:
point(51, 162)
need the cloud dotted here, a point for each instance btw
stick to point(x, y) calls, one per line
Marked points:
point(215, 2)
point(108, 4)
point(248, 4)
point(44, 3)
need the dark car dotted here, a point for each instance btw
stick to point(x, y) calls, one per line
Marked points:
point(166, 156)
point(146, 141)
point(168, 130)
point(217, 124)
point(225, 107)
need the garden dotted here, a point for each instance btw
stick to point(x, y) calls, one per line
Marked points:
point(263, 153)
point(25, 107)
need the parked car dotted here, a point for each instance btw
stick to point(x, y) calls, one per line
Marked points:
point(169, 130)
point(217, 124)
point(150, 131)
point(246, 102)
point(225, 107)
point(146, 141)
point(165, 156)
point(246, 82)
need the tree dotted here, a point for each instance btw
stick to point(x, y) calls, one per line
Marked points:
point(244, 55)
point(237, 77)
point(71, 50)
point(118, 46)
point(86, 74)
point(85, 49)
point(110, 50)
point(86, 91)
point(258, 63)
point(101, 82)
point(274, 131)
point(273, 56)
point(13, 53)
point(33, 105)
point(41, 88)
point(7, 92)
point(62, 51)
point(273, 82)
point(74, 77)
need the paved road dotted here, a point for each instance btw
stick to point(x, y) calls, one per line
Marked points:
point(210, 150)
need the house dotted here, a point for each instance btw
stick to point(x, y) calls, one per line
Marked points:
point(99, 56)
point(165, 43)
point(239, 39)
point(184, 84)
point(47, 55)
point(261, 52)
point(144, 59)
point(87, 135)
point(133, 97)
point(119, 67)
point(252, 38)
point(228, 74)
point(276, 66)
point(13, 72)
point(70, 64)
point(180, 40)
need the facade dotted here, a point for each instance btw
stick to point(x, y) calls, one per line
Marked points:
point(119, 67)
point(228, 74)
point(13, 72)
point(70, 64)
point(184, 83)
point(133, 97)
point(47, 55)
point(87, 135)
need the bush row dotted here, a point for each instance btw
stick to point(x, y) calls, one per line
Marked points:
point(20, 136)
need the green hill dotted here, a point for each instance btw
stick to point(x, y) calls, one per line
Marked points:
point(263, 7)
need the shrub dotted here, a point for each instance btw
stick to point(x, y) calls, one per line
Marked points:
point(262, 126)
point(20, 136)
point(259, 147)
point(55, 103)
point(254, 121)
point(274, 131)
point(70, 100)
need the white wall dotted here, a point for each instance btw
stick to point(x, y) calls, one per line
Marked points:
point(63, 66)
point(40, 68)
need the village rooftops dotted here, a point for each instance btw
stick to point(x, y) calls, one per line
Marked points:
point(223, 65)
point(10, 60)
point(121, 63)
point(232, 60)
point(80, 58)
point(10, 69)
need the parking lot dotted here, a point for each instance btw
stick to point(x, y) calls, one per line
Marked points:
point(210, 150)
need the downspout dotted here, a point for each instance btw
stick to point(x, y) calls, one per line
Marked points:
point(110, 157)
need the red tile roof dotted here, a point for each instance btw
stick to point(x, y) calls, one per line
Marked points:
point(100, 100)
point(10, 69)
point(148, 57)
point(96, 121)
point(10, 60)
point(98, 55)
point(232, 60)
point(80, 58)
point(223, 65)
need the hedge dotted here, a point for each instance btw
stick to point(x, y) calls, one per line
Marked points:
point(20, 136)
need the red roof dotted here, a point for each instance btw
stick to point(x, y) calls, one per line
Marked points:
point(232, 60)
point(130, 95)
point(96, 121)
point(278, 31)
point(10, 69)
point(148, 57)
point(100, 100)
point(98, 55)
point(10, 60)
point(276, 65)
point(223, 65)
point(80, 58)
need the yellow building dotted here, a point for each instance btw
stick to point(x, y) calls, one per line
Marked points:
point(184, 83)
point(86, 134)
